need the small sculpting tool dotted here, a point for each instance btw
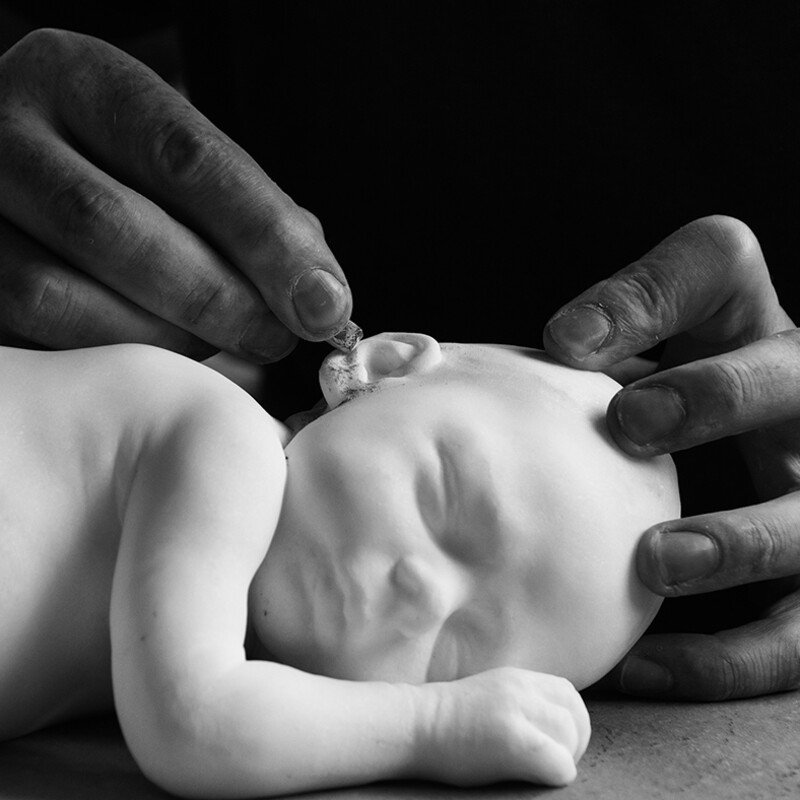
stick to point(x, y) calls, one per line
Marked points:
point(347, 338)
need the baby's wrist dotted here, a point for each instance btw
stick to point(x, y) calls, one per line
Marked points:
point(404, 738)
point(430, 728)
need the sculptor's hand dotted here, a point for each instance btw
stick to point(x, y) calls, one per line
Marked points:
point(125, 215)
point(731, 367)
point(504, 724)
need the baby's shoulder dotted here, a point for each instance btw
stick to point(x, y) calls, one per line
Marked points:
point(118, 387)
point(166, 388)
point(160, 372)
point(179, 419)
point(176, 393)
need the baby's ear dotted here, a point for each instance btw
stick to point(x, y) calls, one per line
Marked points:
point(378, 360)
point(396, 355)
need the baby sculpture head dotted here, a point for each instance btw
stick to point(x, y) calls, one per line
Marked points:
point(457, 508)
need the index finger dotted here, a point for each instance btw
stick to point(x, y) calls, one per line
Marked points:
point(709, 279)
point(144, 132)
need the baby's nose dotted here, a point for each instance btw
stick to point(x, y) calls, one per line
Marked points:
point(422, 597)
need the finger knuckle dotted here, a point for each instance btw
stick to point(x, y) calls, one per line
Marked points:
point(44, 43)
point(770, 547)
point(728, 672)
point(648, 299)
point(507, 730)
point(204, 306)
point(89, 215)
point(560, 725)
point(506, 691)
point(711, 673)
point(27, 65)
point(516, 742)
point(278, 232)
point(737, 387)
point(730, 235)
point(737, 247)
point(791, 678)
point(313, 219)
point(41, 303)
point(184, 154)
point(47, 55)
point(754, 671)
point(782, 669)
point(765, 544)
point(724, 679)
point(281, 230)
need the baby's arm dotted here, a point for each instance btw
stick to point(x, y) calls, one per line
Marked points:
point(201, 720)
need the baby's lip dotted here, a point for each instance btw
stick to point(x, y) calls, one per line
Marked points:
point(296, 422)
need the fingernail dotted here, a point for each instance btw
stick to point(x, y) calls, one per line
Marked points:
point(682, 556)
point(640, 676)
point(647, 415)
point(263, 341)
point(580, 331)
point(319, 300)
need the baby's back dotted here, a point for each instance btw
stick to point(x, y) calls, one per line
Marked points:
point(71, 425)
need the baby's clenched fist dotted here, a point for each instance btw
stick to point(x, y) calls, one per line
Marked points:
point(503, 724)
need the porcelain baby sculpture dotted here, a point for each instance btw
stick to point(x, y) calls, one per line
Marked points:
point(414, 583)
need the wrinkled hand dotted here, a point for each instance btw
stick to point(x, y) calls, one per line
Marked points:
point(505, 724)
point(731, 367)
point(125, 215)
